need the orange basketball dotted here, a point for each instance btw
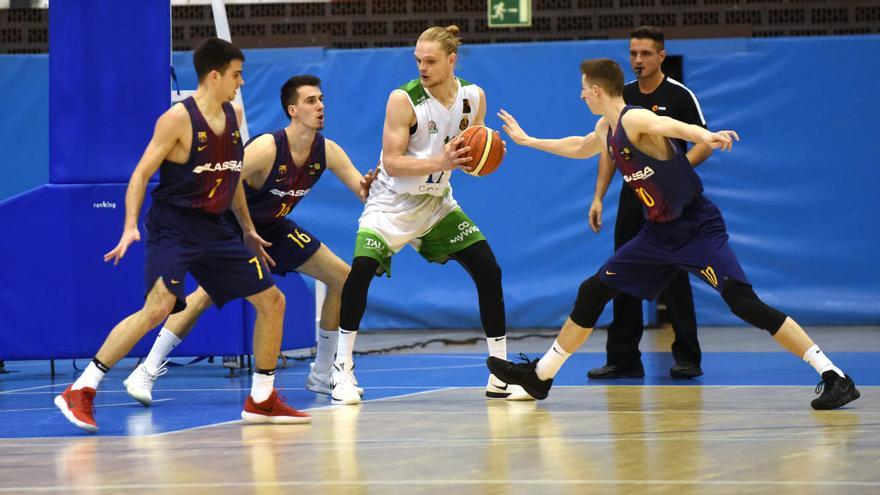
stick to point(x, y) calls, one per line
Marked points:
point(487, 149)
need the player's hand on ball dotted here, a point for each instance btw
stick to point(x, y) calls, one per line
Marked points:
point(129, 236)
point(512, 128)
point(455, 157)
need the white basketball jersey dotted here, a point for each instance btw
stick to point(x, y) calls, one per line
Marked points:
point(435, 126)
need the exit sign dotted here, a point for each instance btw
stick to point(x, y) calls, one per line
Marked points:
point(509, 13)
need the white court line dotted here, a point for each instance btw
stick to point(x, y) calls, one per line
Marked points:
point(441, 482)
point(308, 409)
point(34, 388)
point(97, 406)
point(406, 387)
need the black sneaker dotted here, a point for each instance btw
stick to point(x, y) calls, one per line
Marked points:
point(685, 370)
point(838, 391)
point(522, 374)
point(610, 371)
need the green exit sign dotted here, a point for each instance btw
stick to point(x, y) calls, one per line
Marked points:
point(509, 13)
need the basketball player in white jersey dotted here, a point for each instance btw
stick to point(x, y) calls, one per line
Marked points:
point(411, 202)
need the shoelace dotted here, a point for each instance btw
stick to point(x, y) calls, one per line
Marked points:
point(525, 358)
point(80, 398)
point(147, 378)
point(346, 375)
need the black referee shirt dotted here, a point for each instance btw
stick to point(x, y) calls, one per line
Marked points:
point(671, 99)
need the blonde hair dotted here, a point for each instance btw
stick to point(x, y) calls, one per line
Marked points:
point(447, 37)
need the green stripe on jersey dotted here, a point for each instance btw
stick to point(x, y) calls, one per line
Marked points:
point(415, 91)
point(463, 82)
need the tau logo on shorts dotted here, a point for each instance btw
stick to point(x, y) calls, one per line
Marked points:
point(432, 127)
point(203, 136)
point(373, 244)
point(464, 123)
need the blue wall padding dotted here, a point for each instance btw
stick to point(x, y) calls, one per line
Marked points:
point(59, 299)
point(109, 70)
point(24, 136)
point(797, 192)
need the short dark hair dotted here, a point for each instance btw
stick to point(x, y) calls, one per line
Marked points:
point(605, 73)
point(214, 54)
point(649, 33)
point(290, 93)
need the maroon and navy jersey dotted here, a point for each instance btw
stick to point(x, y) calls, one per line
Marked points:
point(665, 187)
point(208, 179)
point(288, 182)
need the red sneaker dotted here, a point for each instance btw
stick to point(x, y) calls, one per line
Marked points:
point(77, 406)
point(272, 410)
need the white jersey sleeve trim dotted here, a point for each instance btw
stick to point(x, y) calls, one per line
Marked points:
point(693, 96)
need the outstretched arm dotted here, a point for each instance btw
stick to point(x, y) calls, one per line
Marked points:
point(641, 121)
point(569, 147)
point(340, 164)
point(166, 135)
point(399, 116)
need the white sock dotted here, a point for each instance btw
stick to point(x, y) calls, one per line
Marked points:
point(326, 349)
point(164, 344)
point(345, 347)
point(819, 361)
point(90, 377)
point(497, 346)
point(549, 365)
point(261, 386)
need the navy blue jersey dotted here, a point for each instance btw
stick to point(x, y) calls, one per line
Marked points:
point(208, 179)
point(665, 187)
point(288, 182)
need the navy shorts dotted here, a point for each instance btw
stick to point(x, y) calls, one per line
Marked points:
point(696, 242)
point(291, 246)
point(181, 240)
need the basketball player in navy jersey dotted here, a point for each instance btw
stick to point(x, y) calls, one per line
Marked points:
point(197, 148)
point(683, 230)
point(665, 96)
point(279, 170)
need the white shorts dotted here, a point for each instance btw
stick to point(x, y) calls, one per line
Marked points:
point(402, 218)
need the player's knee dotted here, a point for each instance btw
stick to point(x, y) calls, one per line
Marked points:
point(200, 300)
point(337, 280)
point(157, 311)
point(479, 260)
point(592, 297)
point(269, 302)
point(746, 305)
point(488, 273)
point(277, 301)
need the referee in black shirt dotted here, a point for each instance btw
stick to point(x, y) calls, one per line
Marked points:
point(664, 96)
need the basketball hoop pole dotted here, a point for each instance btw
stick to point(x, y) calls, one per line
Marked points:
point(221, 24)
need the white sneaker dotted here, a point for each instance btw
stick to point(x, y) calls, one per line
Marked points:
point(320, 383)
point(345, 389)
point(139, 383)
point(496, 389)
